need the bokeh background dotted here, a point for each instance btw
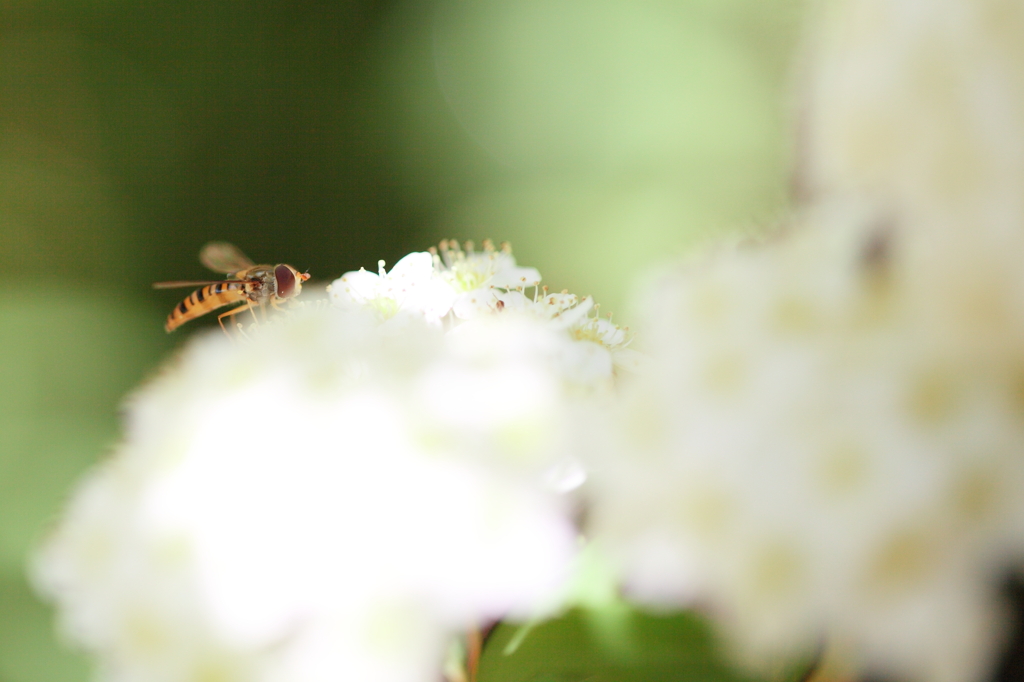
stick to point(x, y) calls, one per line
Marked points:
point(601, 137)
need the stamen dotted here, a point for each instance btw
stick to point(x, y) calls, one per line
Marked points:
point(446, 251)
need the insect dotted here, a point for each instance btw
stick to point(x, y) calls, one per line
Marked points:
point(249, 284)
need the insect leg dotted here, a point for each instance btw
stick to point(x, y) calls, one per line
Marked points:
point(251, 308)
point(233, 311)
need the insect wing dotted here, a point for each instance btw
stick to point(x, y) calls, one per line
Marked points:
point(182, 284)
point(224, 257)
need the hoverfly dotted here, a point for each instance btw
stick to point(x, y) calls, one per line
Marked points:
point(247, 283)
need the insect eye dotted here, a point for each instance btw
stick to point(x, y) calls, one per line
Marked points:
point(285, 281)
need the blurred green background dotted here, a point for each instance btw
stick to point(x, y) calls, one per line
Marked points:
point(601, 137)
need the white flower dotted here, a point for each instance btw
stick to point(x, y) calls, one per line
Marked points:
point(825, 446)
point(409, 289)
point(477, 277)
point(457, 285)
point(598, 347)
point(329, 501)
point(819, 455)
point(918, 104)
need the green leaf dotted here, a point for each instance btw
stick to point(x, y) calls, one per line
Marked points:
point(574, 648)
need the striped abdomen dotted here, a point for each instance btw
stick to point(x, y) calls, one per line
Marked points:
point(204, 300)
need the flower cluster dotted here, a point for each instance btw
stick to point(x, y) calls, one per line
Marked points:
point(337, 497)
point(827, 449)
point(453, 285)
point(815, 460)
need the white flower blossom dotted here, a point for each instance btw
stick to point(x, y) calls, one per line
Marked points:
point(919, 105)
point(817, 461)
point(825, 446)
point(600, 345)
point(478, 277)
point(410, 289)
point(464, 284)
point(327, 501)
